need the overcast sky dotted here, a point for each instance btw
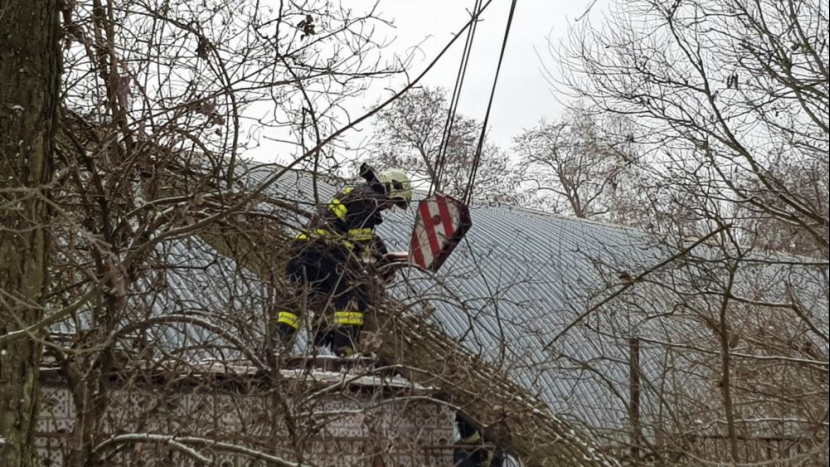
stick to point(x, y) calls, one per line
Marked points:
point(524, 95)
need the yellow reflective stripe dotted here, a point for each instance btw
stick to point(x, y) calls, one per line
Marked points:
point(316, 233)
point(320, 233)
point(360, 235)
point(289, 318)
point(348, 318)
point(339, 209)
point(475, 438)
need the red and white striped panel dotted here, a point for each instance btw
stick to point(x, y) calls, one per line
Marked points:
point(441, 222)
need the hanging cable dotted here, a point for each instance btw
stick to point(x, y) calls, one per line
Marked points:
point(440, 161)
point(468, 193)
point(456, 97)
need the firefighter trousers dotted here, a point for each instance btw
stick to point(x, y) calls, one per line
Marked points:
point(326, 283)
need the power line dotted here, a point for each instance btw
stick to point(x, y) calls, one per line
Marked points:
point(456, 98)
point(468, 195)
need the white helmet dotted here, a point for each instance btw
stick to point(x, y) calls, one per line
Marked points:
point(397, 185)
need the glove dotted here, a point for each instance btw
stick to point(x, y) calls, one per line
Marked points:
point(367, 172)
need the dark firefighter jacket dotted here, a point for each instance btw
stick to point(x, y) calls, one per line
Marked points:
point(349, 220)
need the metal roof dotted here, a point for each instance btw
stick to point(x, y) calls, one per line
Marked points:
point(518, 280)
point(522, 276)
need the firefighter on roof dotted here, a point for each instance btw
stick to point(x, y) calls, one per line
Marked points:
point(328, 259)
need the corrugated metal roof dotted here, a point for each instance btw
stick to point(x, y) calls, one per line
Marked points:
point(519, 279)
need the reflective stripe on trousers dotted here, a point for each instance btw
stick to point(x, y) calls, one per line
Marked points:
point(348, 318)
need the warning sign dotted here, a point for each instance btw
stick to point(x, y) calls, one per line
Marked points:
point(440, 224)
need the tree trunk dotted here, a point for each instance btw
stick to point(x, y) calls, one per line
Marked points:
point(726, 367)
point(29, 94)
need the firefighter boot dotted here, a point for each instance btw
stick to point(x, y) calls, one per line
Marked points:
point(286, 328)
point(344, 340)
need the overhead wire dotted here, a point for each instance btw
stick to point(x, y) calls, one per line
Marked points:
point(452, 112)
point(452, 115)
point(468, 194)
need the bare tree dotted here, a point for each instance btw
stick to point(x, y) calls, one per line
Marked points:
point(578, 166)
point(808, 180)
point(30, 77)
point(154, 100)
point(718, 103)
point(730, 103)
point(151, 194)
point(411, 133)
